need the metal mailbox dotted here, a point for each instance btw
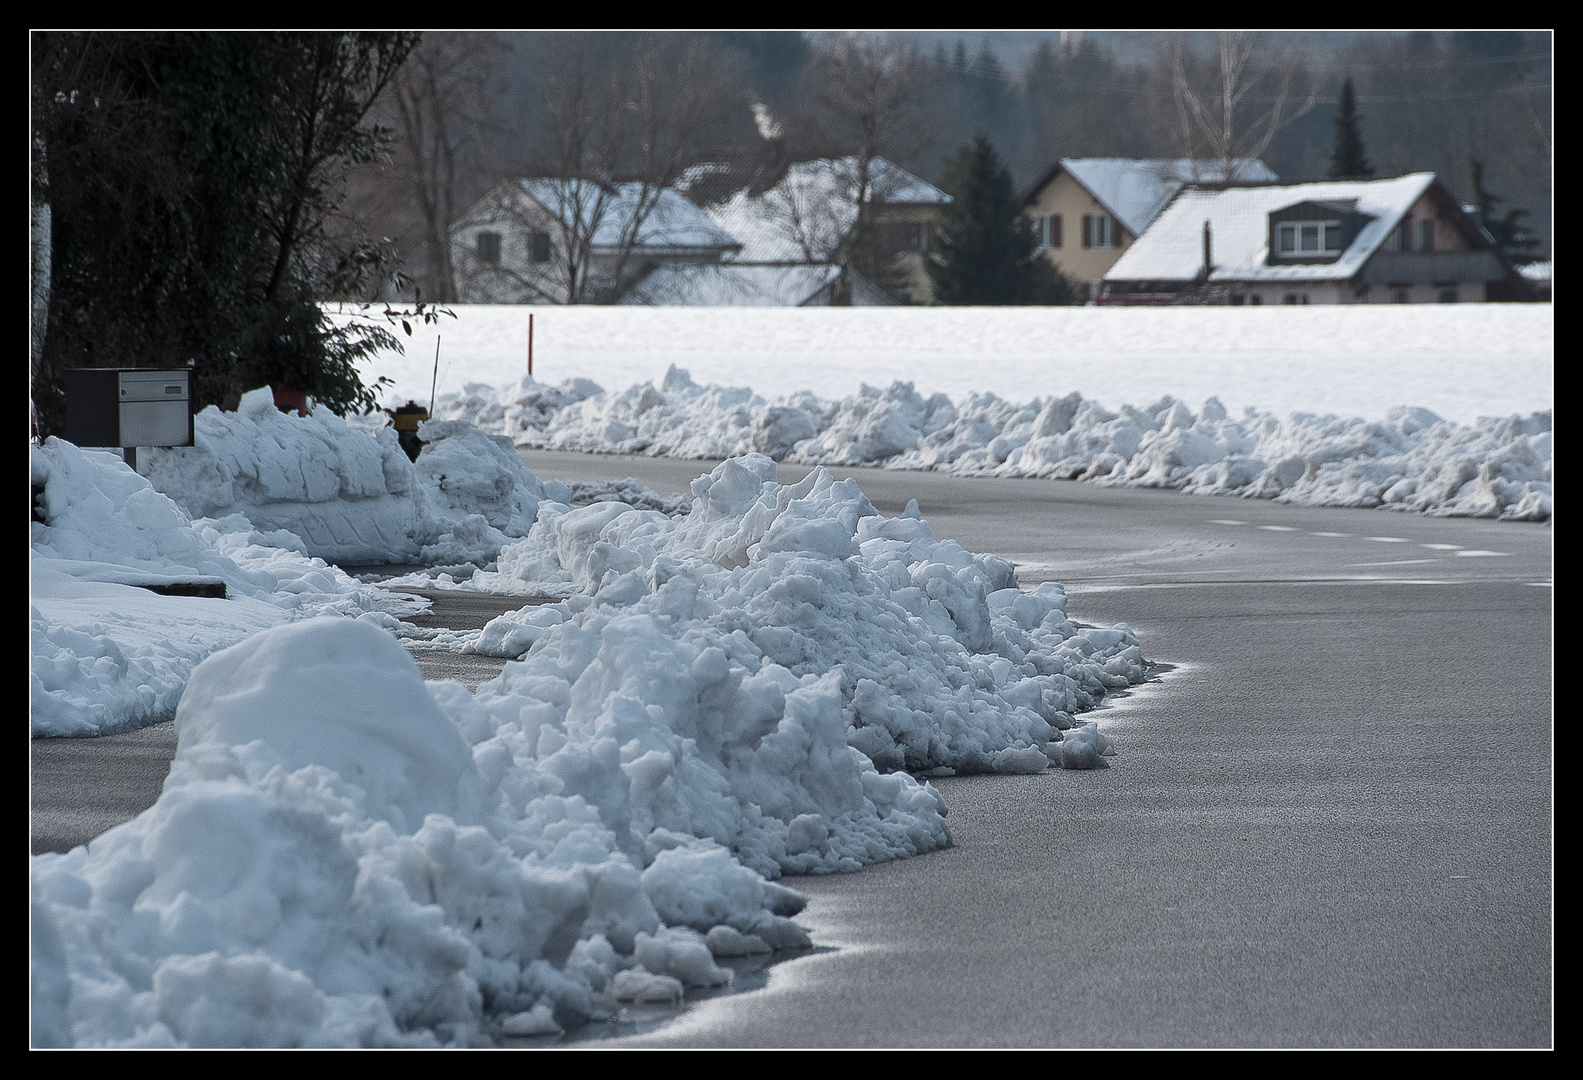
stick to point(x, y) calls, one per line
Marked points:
point(128, 407)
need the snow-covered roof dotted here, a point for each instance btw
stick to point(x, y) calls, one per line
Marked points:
point(731, 285)
point(805, 217)
point(1172, 248)
point(1135, 190)
point(672, 223)
point(1537, 272)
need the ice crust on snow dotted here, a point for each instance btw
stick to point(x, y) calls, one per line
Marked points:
point(344, 854)
point(1410, 460)
point(109, 655)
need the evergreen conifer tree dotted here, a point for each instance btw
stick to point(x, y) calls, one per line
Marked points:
point(1347, 158)
point(1511, 237)
point(986, 252)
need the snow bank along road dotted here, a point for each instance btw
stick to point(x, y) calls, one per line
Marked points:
point(1330, 824)
point(1411, 460)
point(343, 854)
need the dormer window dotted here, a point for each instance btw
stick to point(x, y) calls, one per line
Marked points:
point(1297, 238)
point(1313, 232)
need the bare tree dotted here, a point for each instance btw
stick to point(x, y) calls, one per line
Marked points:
point(867, 93)
point(1233, 111)
point(441, 107)
point(620, 120)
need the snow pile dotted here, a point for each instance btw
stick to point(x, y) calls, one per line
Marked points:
point(473, 494)
point(1410, 460)
point(346, 855)
point(107, 653)
point(341, 857)
point(938, 661)
point(350, 493)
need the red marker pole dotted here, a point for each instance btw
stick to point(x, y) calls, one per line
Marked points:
point(530, 344)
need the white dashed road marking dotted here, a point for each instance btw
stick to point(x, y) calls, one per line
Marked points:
point(1457, 549)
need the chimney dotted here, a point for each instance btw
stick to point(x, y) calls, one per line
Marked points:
point(1208, 261)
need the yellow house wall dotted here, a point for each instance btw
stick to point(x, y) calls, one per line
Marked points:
point(1067, 197)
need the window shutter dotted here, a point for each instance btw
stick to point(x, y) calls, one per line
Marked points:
point(1088, 230)
point(1055, 230)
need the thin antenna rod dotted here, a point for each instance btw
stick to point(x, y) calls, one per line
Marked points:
point(436, 381)
point(530, 344)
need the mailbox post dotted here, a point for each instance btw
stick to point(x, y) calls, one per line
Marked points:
point(128, 408)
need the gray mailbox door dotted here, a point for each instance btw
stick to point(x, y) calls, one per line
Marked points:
point(154, 408)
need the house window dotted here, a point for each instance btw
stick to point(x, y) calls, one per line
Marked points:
point(1298, 238)
point(539, 247)
point(1255, 299)
point(1296, 298)
point(1046, 230)
point(1237, 299)
point(1399, 294)
point(1400, 238)
point(1448, 296)
point(1098, 231)
point(917, 236)
point(488, 247)
point(1426, 236)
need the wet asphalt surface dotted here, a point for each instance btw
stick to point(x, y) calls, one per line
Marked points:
point(1329, 823)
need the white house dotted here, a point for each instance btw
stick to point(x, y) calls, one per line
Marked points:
point(575, 241)
point(808, 216)
point(1400, 240)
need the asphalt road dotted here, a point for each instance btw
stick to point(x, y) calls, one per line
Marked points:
point(1328, 824)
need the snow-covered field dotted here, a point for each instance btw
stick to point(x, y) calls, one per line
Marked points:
point(344, 854)
point(1460, 361)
